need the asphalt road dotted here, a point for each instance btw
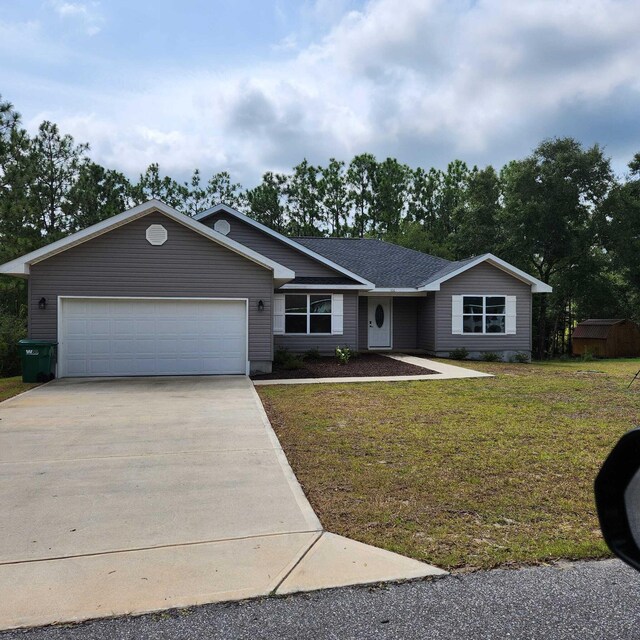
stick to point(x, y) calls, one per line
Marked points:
point(571, 601)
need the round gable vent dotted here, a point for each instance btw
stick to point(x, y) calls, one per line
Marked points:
point(222, 226)
point(156, 235)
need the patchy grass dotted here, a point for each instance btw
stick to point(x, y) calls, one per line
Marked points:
point(469, 473)
point(13, 386)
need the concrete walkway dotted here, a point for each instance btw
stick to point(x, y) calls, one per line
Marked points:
point(443, 371)
point(131, 495)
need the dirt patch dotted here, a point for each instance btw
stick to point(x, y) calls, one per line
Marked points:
point(366, 365)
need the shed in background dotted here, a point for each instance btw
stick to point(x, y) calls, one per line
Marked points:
point(607, 338)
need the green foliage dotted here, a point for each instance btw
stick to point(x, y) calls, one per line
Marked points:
point(284, 360)
point(459, 354)
point(343, 354)
point(312, 355)
point(267, 202)
point(390, 183)
point(360, 179)
point(303, 193)
point(220, 188)
point(335, 196)
point(12, 329)
point(491, 356)
point(587, 356)
point(521, 357)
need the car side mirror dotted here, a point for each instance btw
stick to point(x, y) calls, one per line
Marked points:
point(617, 493)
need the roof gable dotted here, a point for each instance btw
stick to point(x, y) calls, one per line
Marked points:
point(20, 266)
point(340, 268)
point(456, 268)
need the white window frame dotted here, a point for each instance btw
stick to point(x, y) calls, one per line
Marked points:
point(484, 314)
point(309, 314)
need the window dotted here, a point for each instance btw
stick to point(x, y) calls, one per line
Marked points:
point(307, 313)
point(484, 314)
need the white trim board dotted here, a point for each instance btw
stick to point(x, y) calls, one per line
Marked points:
point(59, 318)
point(288, 241)
point(20, 266)
point(323, 287)
point(390, 293)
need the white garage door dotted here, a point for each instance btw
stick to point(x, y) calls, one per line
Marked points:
point(140, 337)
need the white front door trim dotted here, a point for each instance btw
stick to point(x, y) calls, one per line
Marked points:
point(60, 373)
point(387, 305)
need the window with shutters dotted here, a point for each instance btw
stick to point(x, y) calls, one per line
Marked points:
point(484, 314)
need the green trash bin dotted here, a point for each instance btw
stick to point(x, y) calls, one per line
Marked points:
point(38, 359)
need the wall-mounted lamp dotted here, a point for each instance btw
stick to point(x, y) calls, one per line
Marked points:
point(42, 303)
point(260, 305)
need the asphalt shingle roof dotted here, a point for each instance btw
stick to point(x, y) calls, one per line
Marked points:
point(595, 328)
point(384, 264)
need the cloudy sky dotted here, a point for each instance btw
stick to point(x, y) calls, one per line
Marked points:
point(255, 85)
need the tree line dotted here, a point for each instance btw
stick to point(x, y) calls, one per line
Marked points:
point(560, 213)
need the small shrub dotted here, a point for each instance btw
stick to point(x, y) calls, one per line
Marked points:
point(280, 356)
point(312, 355)
point(491, 356)
point(459, 354)
point(343, 355)
point(587, 356)
point(284, 360)
point(12, 329)
point(294, 362)
point(521, 357)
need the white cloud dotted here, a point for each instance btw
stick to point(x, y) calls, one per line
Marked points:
point(423, 80)
point(88, 14)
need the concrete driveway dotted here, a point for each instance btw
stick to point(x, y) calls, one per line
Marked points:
point(137, 494)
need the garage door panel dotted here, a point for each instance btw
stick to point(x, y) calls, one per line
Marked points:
point(152, 337)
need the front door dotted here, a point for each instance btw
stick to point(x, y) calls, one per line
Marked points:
point(379, 323)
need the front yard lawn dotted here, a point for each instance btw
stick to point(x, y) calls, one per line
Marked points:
point(13, 386)
point(470, 473)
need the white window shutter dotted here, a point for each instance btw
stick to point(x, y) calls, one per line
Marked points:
point(337, 313)
point(278, 314)
point(456, 315)
point(510, 320)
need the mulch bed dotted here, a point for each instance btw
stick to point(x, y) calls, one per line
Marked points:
point(365, 365)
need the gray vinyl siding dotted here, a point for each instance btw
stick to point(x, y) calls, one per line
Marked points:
point(483, 279)
point(249, 236)
point(122, 263)
point(405, 323)
point(326, 344)
point(427, 323)
point(363, 323)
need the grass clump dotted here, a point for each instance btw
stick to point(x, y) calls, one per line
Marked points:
point(13, 386)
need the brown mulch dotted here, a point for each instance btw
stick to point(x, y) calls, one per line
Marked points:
point(365, 365)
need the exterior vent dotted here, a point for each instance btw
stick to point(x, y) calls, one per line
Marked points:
point(156, 235)
point(222, 226)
